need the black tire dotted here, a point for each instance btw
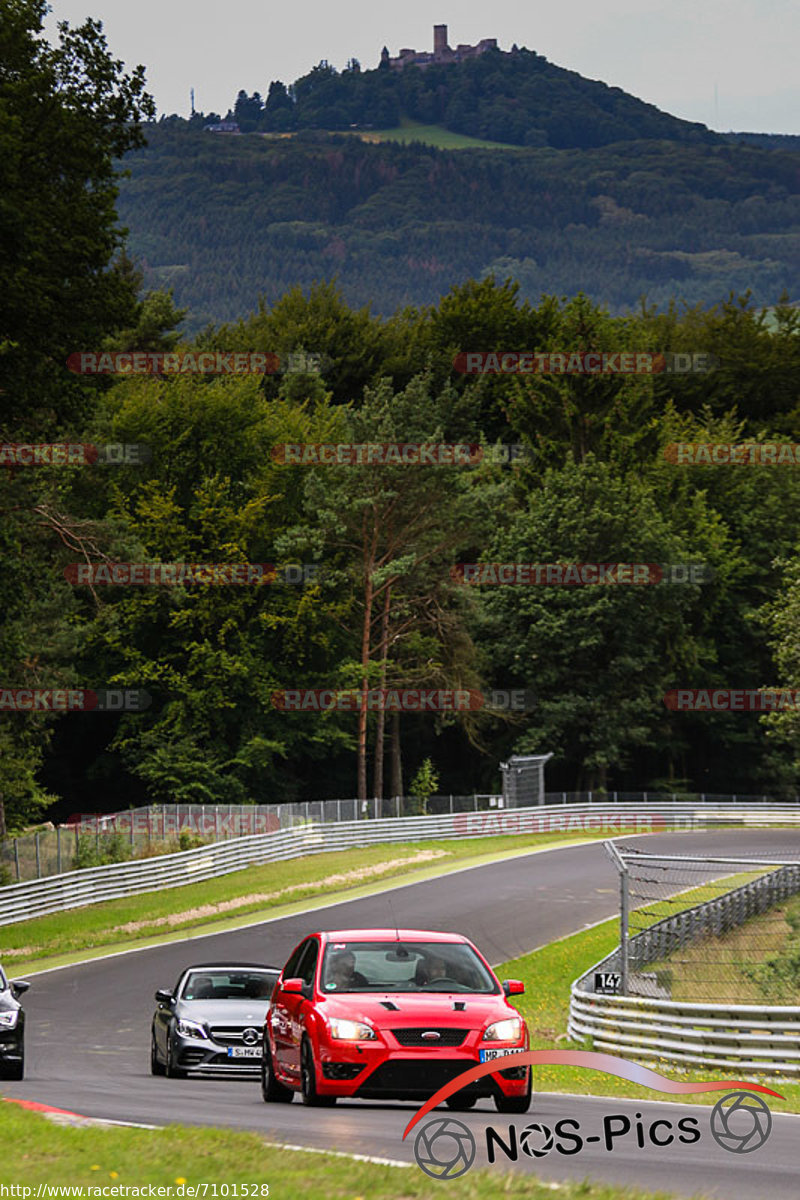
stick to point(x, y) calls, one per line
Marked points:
point(308, 1080)
point(156, 1065)
point(170, 1070)
point(271, 1090)
point(515, 1104)
point(460, 1103)
point(16, 1071)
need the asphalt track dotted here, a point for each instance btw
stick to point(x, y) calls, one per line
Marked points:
point(89, 1025)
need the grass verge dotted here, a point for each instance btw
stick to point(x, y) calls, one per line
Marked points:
point(35, 1151)
point(271, 890)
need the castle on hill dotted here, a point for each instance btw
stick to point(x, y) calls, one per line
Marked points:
point(442, 53)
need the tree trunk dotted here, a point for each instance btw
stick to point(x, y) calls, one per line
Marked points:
point(369, 558)
point(397, 761)
point(377, 777)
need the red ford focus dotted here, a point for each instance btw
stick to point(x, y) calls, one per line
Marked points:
point(391, 1014)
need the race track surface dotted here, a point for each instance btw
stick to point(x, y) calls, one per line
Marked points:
point(88, 1028)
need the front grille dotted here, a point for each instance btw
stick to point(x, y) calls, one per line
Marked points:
point(418, 1078)
point(413, 1037)
point(231, 1035)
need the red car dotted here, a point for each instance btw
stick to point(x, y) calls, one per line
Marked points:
point(382, 1014)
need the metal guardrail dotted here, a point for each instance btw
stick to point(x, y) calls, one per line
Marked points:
point(729, 1036)
point(19, 902)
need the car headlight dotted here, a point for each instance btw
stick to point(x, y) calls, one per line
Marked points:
point(504, 1031)
point(9, 1019)
point(351, 1031)
point(190, 1029)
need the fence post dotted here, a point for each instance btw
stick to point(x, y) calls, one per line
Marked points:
point(58, 849)
point(623, 930)
point(38, 859)
point(451, 802)
point(16, 853)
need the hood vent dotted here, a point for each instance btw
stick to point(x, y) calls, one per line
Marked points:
point(390, 1005)
point(459, 1005)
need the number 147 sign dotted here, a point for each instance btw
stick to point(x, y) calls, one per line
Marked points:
point(607, 983)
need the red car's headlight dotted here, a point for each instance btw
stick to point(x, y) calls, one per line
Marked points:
point(509, 1030)
point(351, 1031)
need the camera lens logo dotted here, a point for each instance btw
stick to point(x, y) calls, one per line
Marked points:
point(740, 1122)
point(536, 1140)
point(444, 1148)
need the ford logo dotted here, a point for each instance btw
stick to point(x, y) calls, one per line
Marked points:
point(251, 1037)
point(431, 1036)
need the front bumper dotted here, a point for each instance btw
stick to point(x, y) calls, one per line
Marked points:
point(11, 1045)
point(205, 1054)
point(368, 1071)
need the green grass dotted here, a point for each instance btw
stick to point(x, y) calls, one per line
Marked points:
point(99, 928)
point(415, 131)
point(37, 1151)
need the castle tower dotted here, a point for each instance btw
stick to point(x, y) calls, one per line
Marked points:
point(439, 39)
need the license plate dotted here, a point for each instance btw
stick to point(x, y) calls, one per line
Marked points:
point(244, 1052)
point(491, 1055)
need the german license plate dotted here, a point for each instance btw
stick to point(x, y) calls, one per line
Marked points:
point(244, 1052)
point(491, 1055)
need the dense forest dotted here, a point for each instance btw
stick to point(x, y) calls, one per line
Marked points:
point(222, 220)
point(386, 603)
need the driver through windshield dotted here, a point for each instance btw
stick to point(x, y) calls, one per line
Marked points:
point(404, 967)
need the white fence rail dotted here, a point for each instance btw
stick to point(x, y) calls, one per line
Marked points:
point(735, 1037)
point(19, 902)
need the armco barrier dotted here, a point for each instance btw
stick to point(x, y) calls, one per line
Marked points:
point(731, 1036)
point(56, 893)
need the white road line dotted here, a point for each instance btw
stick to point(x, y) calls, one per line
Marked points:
point(369, 1158)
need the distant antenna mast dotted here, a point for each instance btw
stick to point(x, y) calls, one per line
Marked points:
point(192, 95)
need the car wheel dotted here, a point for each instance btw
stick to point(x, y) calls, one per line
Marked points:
point(515, 1104)
point(460, 1103)
point(171, 1071)
point(156, 1065)
point(308, 1080)
point(270, 1088)
point(16, 1070)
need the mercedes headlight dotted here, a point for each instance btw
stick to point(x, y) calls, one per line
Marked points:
point(8, 1020)
point(351, 1031)
point(509, 1030)
point(190, 1029)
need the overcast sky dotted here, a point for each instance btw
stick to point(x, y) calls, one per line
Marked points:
point(731, 64)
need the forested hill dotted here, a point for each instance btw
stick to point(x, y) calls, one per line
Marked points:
point(224, 219)
point(517, 97)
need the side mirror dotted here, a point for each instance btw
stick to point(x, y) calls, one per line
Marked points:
point(164, 996)
point(18, 986)
point(296, 986)
point(513, 987)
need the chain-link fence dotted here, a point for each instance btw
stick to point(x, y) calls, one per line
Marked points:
point(708, 929)
point(94, 839)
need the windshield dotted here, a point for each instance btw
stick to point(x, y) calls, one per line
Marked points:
point(214, 984)
point(404, 967)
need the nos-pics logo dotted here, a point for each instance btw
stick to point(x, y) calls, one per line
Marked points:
point(445, 1148)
